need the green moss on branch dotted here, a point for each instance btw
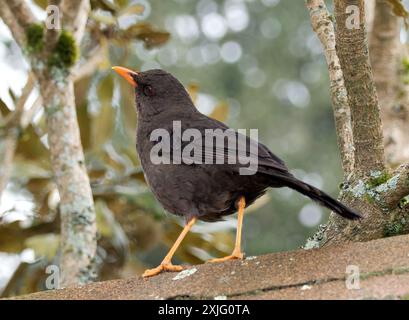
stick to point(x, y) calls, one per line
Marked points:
point(65, 53)
point(35, 38)
point(377, 178)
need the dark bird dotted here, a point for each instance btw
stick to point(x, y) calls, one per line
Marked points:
point(203, 190)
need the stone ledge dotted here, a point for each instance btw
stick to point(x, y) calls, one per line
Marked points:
point(300, 274)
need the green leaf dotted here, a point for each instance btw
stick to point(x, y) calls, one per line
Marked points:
point(31, 169)
point(108, 227)
point(103, 123)
point(108, 20)
point(145, 32)
point(44, 245)
point(4, 110)
point(30, 146)
point(105, 5)
point(133, 9)
point(41, 3)
point(121, 3)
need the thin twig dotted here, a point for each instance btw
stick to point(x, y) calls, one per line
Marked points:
point(9, 19)
point(74, 17)
point(89, 67)
point(22, 12)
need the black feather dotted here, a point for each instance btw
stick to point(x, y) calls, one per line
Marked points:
point(318, 196)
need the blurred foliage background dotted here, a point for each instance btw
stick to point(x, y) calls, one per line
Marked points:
point(250, 63)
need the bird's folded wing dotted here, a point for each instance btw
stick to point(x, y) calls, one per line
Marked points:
point(244, 151)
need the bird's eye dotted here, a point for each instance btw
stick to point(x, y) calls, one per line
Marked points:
point(148, 91)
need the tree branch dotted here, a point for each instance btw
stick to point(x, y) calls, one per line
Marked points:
point(22, 13)
point(19, 111)
point(12, 128)
point(384, 45)
point(78, 224)
point(352, 49)
point(7, 149)
point(10, 20)
point(395, 189)
point(369, 15)
point(362, 192)
point(75, 16)
point(29, 113)
point(52, 34)
point(89, 67)
point(324, 28)
point(386, 52)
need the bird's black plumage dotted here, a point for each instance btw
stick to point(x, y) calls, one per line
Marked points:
point(205, 191)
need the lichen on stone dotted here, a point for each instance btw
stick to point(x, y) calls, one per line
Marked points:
point(185, 273)
point(306, 287)
point(316, 240)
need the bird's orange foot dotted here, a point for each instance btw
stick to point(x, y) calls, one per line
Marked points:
point(160, 268)
point(233, 256)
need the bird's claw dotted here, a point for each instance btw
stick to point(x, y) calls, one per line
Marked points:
point(162, 267)
point(233, 256)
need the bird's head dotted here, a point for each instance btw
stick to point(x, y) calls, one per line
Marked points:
point(156, 91)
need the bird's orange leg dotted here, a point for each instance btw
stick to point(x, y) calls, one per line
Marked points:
point(237, 254)
point(166, 264)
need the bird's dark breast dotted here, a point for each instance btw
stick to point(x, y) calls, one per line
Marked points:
point(218, 194)
point(200, 190)
point(205, 191)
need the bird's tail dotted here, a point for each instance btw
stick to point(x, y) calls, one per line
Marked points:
point(319, 196)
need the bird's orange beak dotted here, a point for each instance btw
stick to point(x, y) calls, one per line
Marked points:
point(127, 74)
